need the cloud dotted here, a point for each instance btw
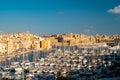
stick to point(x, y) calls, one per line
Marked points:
point(115, 10)
point(89, 30)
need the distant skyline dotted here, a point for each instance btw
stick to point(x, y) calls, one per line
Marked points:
point(60, 16)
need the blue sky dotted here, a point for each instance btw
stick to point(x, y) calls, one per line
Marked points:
point(60, 16)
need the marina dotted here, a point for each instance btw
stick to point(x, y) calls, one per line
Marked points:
point(81, 63)
point(59, 39)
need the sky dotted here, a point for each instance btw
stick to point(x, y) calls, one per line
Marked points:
point(60, 16)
